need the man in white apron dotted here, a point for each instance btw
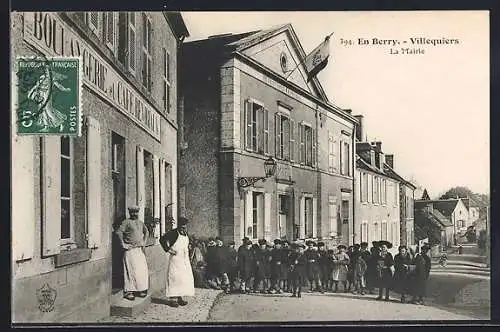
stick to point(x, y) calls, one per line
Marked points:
point(180, 280)
point(133, 235)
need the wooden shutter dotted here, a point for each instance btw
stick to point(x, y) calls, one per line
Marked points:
point(94, 183)
point(302, 225)
point(260, 129)
point(277, 133)
point(292, 141)
point(333, 215)
point(266, 131)
point(162, 196)
point(23, 197)
point(123, 37)
point(249, 213)
point(301, 145)
point(156, 193)
point(248, 125)
point(286, 139)
point(314, 217)
point(140, 185)
point(51, 231)
point(313, 147)
point(131, 42)
point(267, 216)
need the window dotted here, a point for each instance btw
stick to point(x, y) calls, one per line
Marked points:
point(131, 59)
point(283, 130)
point(376, 191)
point(166, 80)
point(332, 215)
point(396, 194)
point(93, 22)
point(345, 211)
point(257, 127)
point(109, 29)
point(384, 191)
point(332, 161)
point(364, 187)
point(364, 231)
point(147, 60)
point(255, 225)
point(66, 188)
point(148, 187)
point(376, 231)
point(307, 145)
point(255, 213)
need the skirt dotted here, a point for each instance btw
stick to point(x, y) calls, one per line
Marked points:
point(135, 271)
point(339, 273)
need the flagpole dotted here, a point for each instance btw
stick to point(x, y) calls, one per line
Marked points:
point(304, 59)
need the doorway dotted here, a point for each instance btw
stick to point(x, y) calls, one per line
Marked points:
point(283, 216)
point(118, 208)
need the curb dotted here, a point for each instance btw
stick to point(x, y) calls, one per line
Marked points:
point(209, 313)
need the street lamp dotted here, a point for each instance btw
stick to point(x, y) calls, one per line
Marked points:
point(269, 170)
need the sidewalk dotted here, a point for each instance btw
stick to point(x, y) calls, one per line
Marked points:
point(196, 310)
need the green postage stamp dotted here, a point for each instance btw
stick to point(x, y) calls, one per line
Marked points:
point(48, 96)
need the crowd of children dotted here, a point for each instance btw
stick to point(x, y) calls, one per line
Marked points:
point(282, 266)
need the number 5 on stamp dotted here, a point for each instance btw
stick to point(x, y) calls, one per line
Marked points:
point(48, 96)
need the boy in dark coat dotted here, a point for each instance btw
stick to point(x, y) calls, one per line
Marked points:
point(213, 264)
point(323, 266)
point(313, 269)
point(262, 267)
point(287, 285)
point(278, 267)
point(222, 254)
point(297, 270)
point(232, 257)
point(358, 270)
point(246, 266)
point(402, 263)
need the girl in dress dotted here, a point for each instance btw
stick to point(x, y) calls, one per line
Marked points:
point(339, 273)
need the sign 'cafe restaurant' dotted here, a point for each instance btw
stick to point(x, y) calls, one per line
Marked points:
point(121, 159)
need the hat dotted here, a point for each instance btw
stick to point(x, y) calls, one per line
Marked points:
point(277, 241)
point(356, 246)
point(341, 247)
point(402, 247)
point(133, 208)
point(248, 241)
point(386, 243)
point(182, 221)
point(321, 244)
point(217, 238)
point(330, 251)
point(375, 243)
point(262, 242)
point(310, 243)
point(425, 247)
point(245, 239)
point(231, 243)
point(364, 244)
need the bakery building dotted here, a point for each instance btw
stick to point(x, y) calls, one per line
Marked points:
point(246, 100)
point(70, 193)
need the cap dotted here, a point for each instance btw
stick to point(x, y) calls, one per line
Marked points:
point(402, 247)
point(341, 247)
point(182, 221)
point(356, 246)
point(321, 244)
point(285, 242)
point(262, 242)
point(309, 243)
point(245, 239)
point(364, 244)
point(133, 208)
point(277, 241)
point(231, 243)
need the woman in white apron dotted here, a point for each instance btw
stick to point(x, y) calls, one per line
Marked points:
point(180, 280)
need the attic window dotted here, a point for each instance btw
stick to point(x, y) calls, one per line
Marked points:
point(283, 62)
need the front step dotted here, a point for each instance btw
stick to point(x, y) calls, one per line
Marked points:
point(125, 308)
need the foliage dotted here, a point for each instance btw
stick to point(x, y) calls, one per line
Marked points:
point(463, 192)
point(481, 243)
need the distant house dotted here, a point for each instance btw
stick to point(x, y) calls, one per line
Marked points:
point(456, 210)
point(430, 223)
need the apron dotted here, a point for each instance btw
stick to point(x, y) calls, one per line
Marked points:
point(180, 280)
point(135, 267)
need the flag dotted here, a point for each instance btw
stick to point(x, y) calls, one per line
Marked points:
point(317, 59)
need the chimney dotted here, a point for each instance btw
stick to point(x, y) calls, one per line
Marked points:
point(360, 130)
point(377, 146)
point(389, 160)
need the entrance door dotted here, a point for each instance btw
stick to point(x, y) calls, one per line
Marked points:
point(118, 208)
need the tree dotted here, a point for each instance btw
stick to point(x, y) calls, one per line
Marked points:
point(425, 196)
point(461, 192)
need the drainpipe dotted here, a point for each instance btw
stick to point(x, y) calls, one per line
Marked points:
point(353, 170)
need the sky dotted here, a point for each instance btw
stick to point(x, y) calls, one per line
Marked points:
point(430, 110)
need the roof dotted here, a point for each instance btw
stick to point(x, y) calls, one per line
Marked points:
point(361, 163)
point(177, 23)
point(236, 43)
point(433, 217)
point(445, 206)
point(392, 173)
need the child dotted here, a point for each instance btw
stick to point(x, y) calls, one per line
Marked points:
point(246, 265)
point(285, 253)
point(261, 266)
point(213, 264)
point(331, 260)
point(339, 273)
point(297, 270)
point(323, 266)
point(278, 267)
point(359, 270)
point(232, 257)
point(312, 256)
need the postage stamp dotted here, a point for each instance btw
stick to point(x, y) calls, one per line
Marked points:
point(48, 96)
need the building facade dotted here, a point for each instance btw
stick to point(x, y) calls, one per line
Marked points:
point(246, 100)
point(377, 202)
point(432, 225)
point(70, 193)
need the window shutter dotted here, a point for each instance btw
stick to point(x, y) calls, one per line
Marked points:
point(248, 119)
point(349, 159)
point(249, 214)
point(267, 216)
point(123, 37)
point(302, 225)
point(301, 146)
point(162, 196)
point(292, 140)
point(277, 132)
point(286, 139)
point(94, 200)
point(313, 147)
point(51, 231)
point(131, 42)
point(266, 131)
point(23, 197)
point(140, 186)
point(156, 194)
point(260, 129)
point(333, 216)
point(314, 217)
